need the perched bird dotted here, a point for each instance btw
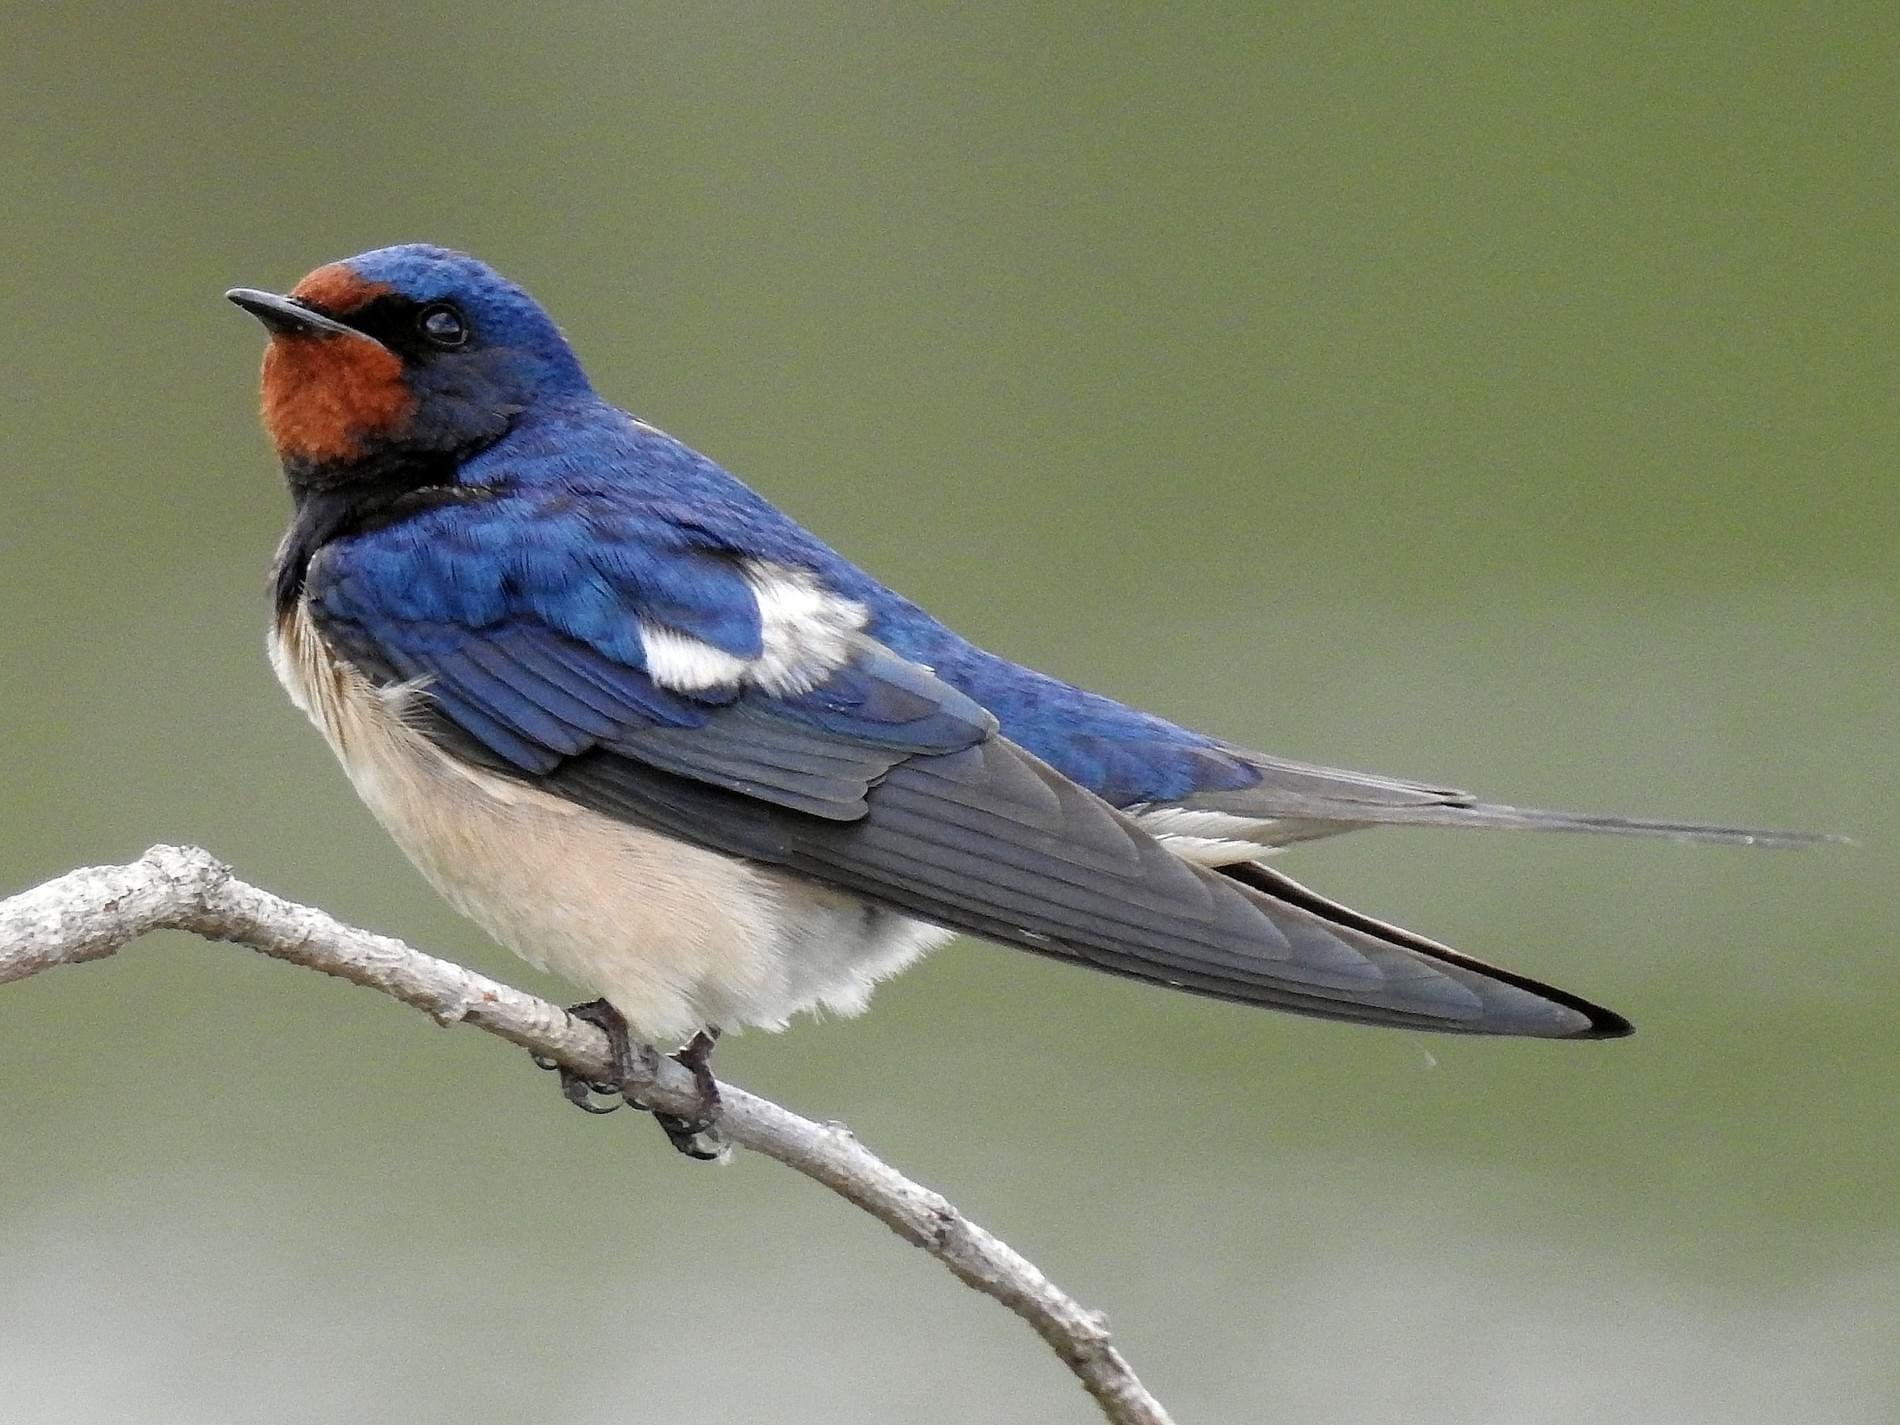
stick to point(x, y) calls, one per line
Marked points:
point(651, 734)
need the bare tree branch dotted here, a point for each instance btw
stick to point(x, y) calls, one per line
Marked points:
point(91, 913)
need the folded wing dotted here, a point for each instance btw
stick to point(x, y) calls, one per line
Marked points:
point(876, 778)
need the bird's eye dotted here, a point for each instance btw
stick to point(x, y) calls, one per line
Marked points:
point(442, 325)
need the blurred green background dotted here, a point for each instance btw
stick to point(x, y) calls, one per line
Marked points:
point(1500, 397)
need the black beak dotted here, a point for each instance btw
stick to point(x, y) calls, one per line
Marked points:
point(287, 315)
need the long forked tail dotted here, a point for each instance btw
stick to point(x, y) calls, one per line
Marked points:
point(1509, 818)
point(1299, 801)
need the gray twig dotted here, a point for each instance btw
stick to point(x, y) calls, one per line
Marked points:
point(92, 913)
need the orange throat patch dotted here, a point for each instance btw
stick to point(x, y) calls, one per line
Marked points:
point(326, 394)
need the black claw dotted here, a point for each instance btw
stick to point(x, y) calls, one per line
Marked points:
point(579, 1090)
point(692, 1134)
point(695, 1056)
point(580, 1093)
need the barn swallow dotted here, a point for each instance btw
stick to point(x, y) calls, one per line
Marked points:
point(652, 735)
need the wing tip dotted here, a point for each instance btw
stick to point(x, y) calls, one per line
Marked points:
point(1509, 1003)
point(1518, 1005)
point(1602, 1023)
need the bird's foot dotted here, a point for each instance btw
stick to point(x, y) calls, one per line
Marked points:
point(697, 1134)
point(693, 1134)
point(696, 1056)
point(629, 1060)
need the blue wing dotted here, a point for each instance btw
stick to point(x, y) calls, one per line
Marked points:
point(520, 616)
point(522, 624)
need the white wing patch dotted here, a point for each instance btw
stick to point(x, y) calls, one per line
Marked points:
point(806, 633)
point(686, 665)
point(807, 629)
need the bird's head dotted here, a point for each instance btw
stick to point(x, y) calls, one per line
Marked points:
point(404, 356)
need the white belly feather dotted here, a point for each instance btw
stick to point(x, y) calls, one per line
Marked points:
point(673, 936)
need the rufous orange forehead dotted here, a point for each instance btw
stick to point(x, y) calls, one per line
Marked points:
point(337, 289)
point(326, 395)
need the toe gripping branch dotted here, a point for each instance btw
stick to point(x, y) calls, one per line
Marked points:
point(695, 1134)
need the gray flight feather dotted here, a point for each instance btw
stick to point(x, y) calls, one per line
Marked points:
point(1296, 801)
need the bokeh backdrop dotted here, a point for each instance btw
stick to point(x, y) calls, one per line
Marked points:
point(1501, 397)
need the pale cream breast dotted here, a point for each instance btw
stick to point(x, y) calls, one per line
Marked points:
point(673, 935)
